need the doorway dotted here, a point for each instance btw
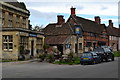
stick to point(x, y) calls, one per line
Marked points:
point(94, 45)
point(32, 48)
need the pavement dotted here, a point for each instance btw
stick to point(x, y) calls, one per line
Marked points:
point(20, 62)
point(37, 69)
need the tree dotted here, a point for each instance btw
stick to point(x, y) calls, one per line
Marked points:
point(38, 28)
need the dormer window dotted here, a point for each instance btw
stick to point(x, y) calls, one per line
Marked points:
point(58, 25)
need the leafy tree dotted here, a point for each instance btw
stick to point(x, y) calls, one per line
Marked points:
point(38, 28)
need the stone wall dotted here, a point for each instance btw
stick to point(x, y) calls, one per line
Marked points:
point(12, 54)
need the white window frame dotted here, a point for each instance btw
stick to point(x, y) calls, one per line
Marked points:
point(8, 42)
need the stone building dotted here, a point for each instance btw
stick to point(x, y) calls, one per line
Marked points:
point(16, 36)
point(113, 33)
point(62, 34)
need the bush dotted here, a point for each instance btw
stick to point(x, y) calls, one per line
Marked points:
point(42, 56)
point(74, 60)
point(50, 58)
point(117, 54)
point(46, 46)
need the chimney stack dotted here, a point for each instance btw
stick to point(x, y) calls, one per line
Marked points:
point(60, 19)
point(73, 11)
point(110, 23)
point(119, 30)
point(97, 19)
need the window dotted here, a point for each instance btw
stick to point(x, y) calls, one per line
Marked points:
point(24, 42)
point(88, 44)
point(86, 54)
point(24, 23)
point(39, 43)
point(10, 20)
point(18, 21)
point(3, 18)
point(89, 34)
point(80, 46)
point(68, 46)
point(7, 42)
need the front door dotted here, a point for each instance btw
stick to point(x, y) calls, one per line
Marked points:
point(94, 45)
point(32, 48)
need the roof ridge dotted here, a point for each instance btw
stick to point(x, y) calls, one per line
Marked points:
point(86, 19)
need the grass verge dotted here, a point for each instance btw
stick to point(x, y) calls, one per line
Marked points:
point(75, 60)
point(117, 54)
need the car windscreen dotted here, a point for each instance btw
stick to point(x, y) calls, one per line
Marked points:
point(86, 54)
point(107, 50)
point(98, 50)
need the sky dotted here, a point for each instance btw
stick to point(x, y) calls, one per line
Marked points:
point(44, 12)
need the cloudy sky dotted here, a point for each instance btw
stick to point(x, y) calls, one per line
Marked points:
point(44, 12)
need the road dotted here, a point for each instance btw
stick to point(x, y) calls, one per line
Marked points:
point(47, 70)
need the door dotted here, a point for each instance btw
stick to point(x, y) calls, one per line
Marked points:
point(94, 45)
point(76, 48)
point(32, 48)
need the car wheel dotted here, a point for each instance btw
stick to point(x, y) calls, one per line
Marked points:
point(81, 63)
point(94, 62)
point(106, 59)
point(112, 58)
point(101, 60)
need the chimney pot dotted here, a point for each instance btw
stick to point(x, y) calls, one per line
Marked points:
point(73, 11)
point(97, 19)
point(60, 20)
point(110, 23)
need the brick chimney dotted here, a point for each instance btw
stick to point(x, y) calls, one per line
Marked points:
point(110, 23)
point(72, 11)
point(60, 19)
point(97, 19)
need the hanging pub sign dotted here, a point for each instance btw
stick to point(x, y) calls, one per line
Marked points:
point(77, 29)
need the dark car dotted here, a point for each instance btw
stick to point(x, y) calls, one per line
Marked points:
point(105, 53)
point(89, 57)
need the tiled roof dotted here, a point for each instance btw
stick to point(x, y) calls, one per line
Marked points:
point(56, 39)
point(113, 31)
point(88, 25)
point(55, 29)
point(68, 28)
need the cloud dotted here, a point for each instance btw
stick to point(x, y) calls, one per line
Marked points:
point(104, 8)
point(50, 9)
point(80, 7)
point(44, 15)
point(69, 0)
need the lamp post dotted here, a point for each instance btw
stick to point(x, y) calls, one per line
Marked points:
point(77, 32)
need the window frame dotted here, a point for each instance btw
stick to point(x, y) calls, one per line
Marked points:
point(8, 42)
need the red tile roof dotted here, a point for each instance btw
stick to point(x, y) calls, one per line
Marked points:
point(113, 31)
point(55, 29)
point(56, 39)
point(89, 25)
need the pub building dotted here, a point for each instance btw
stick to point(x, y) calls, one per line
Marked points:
point(16, 36)
point(62, 34)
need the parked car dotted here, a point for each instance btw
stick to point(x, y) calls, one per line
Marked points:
point(89, 57)
point(105, 53)
point(107, 47)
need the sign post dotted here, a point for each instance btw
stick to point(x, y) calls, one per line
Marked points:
point(77, 32)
